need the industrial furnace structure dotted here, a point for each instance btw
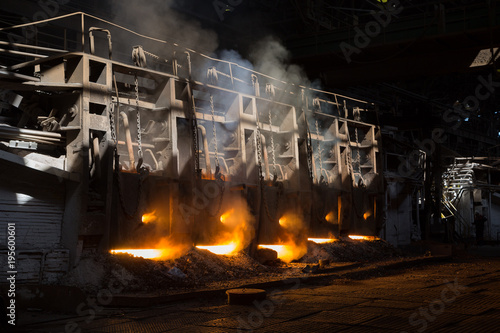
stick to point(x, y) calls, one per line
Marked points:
point(97, 134)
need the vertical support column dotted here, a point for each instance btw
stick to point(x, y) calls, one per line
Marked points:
point(83, 31)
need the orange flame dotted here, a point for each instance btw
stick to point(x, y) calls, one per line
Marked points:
point(330, 217)
point(237, 232)
point(322, 240)
point(367, 215)
point(224, 217)
point(149, 217)
point(293, 242)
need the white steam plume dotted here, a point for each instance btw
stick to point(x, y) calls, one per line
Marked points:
point(157, 18)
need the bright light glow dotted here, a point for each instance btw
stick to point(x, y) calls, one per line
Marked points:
point(330, 217)
point(223, 217)
point(144, 253)
point(367, 215)
point(286, 253)
point(149, 217)
point(226, 249)
point(277, 248)
point(359, 237)
point(322, 240)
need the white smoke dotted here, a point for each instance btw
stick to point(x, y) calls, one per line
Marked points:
point(270, 56)
point(157, 18)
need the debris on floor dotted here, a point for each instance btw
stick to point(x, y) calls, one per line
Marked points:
point(200, 268)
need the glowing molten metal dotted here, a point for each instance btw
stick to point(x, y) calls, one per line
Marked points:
point(226, 249)
point(286, 253)
point(358, 237)
point(144, 253)
point(322, 240)
point(149, 217)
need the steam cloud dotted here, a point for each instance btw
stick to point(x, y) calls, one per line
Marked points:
point(158, 18)
point(269, 56)
point(238, 223)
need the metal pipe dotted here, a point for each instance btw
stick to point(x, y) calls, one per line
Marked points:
point(174, 64)
point(313, 165)
point(188, 58)
point(231, 73)
point(27, 46)
point(255, 83)
point(128, 140)
point(134, 144)
point(264, 154)
point(18, 130)
point(280, 169)
point(83, 31)
point(205, 149)
point(158, 140)
point(91, 40)
point(97, 157)
point(34, 55)
point(12, 75)
point(226, 168)
point(153, 157)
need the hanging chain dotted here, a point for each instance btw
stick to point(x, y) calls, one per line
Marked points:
point(320, 152)
point(259, 147)
point(349, 152)
point(219, 177)
point(214, 130)
point(139, 138)
point(357, 160)
point(112, 125)
point(272, 142)
point(194, 125)
point(309, 151)
point(308, 138)
point(263, 186)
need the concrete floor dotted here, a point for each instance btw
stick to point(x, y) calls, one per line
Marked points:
point(458, 295)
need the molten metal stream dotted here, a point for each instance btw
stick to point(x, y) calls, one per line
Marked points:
point(322, 240)
point(359, 237)
point(226, 249)
point(144, 253)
